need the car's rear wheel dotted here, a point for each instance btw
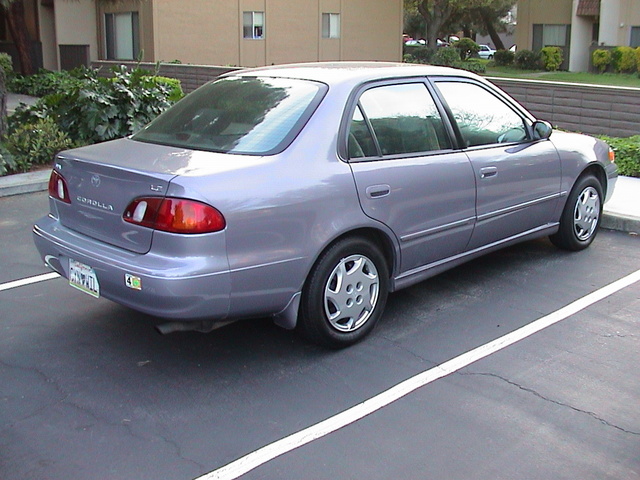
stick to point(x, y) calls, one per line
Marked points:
point(580, 219)
point(345, 293)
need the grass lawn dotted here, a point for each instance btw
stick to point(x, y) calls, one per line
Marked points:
point(613, 79)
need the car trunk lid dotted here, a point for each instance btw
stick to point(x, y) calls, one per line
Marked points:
point(103, 183)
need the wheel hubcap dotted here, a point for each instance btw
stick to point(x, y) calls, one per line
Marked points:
point(586, 213)
point(351, 293)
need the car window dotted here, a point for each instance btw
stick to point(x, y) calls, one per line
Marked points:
point(361, 142)
point(404, 119)
point(483, 119)
point(237, 115)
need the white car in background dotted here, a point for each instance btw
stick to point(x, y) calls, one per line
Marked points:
point(486, 52)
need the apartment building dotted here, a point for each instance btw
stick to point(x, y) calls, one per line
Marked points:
point(577, 26)
point(67, 33)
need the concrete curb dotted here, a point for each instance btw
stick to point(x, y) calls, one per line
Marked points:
point(24, 183)
point(621, 223)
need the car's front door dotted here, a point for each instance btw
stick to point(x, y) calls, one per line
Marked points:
point(518, 178)
point(407, 174)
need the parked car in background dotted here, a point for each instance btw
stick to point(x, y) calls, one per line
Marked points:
point(309, 192)
point(486, 52)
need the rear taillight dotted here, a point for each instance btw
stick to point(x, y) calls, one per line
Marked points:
point(176, 215)
point(612, 155)
point(58, 187)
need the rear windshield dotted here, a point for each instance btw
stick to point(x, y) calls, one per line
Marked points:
point(258, 116)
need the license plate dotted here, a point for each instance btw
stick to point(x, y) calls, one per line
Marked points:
point(83, 278)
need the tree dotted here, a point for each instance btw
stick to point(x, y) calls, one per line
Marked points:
point(435, 13)
point(14, 12)
point(491, 14)
point(447, 16)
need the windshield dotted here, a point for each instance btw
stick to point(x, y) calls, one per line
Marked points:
point(257, 116)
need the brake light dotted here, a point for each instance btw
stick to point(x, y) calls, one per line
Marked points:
point(175, 215)
point(58, 187)
point(612, 155)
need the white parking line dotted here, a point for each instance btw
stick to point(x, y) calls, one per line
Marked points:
point(263, 455)
point(28, 281)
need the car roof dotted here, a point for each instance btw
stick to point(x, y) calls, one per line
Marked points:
point(333, 73)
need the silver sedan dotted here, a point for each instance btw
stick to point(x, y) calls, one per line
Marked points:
point(309, 192)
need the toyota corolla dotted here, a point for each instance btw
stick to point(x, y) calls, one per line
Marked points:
point(309, 192)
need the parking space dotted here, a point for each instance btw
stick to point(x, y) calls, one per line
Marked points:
point(89, 389)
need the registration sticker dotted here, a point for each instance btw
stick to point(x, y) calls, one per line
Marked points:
point(132, 281)
point(83, 278)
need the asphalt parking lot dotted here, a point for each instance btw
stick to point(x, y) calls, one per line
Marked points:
point(90, 390)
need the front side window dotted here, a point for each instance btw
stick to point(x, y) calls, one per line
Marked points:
point(404, 120)
point(244, 115)
point(253, 25)
point(483, 119)
point(122, 35)
point(330, 25)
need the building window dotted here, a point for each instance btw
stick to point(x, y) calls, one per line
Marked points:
point(549, 36)
point(122, 35)
point(634, 41)
point(330, 25)
point(253, 25)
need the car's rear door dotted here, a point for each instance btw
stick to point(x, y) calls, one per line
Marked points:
point(407, 174)
point(518, 177)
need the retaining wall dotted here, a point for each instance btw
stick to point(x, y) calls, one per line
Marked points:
point(597, 110)
point(191, 76)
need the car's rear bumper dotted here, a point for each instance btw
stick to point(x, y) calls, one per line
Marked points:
point(188, 287)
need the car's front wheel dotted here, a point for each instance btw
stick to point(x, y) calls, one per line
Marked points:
point(345, 293)
point(581, 216)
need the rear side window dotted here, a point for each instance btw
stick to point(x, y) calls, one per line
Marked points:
point(256, 116)
point(483, 119)
point(396, 119)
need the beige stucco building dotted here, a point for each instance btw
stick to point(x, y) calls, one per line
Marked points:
point(577, 25)
point(68, 33)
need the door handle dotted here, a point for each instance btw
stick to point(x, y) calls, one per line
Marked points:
point(487, 172)
point(377, 191)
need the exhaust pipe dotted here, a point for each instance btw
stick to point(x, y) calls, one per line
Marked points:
point(204, 326)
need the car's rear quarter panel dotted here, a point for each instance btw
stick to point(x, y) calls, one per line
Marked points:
point(281, 211)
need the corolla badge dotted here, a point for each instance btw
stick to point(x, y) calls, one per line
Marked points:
point(95, 180)
point(94, 203)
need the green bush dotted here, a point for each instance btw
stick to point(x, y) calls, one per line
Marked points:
point(7, 163)
point(35, 144)
point(504, 58)
point(408, 58)
point(551, 58)
point(446, 56)
point(418, 54)
point(601, 59)
point(638, 58)
point(174, 85)
point(623, 60)
point(466, 47)
point(472, 65)
point(627, 152)
point(7, 64)
point(93, 109)
point(527, 60)
point(46, 82)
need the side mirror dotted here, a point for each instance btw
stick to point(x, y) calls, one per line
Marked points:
point(542, 130)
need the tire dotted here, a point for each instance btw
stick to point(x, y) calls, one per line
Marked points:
point(581, 216)
point(345, 294)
